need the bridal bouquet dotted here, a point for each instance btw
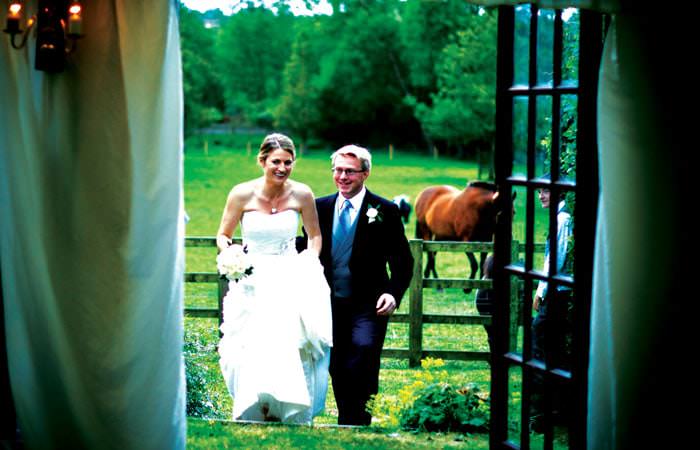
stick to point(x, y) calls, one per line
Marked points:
point(233, 263)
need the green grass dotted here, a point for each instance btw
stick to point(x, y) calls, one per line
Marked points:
point(210, 434)
point(208, 178)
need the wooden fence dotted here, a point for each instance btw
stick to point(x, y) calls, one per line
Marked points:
point(415, 318)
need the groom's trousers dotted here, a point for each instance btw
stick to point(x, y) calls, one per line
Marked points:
point(358, 337)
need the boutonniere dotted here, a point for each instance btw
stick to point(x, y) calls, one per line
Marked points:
point(373, 214)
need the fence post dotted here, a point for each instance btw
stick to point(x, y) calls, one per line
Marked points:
point(515, 303)
point(415, 311)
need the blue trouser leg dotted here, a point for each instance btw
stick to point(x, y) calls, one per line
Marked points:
point(357, 343)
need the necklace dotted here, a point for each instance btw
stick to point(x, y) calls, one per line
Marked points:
point(273, 203)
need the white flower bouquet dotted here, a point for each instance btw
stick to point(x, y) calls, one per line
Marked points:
point(233, 263)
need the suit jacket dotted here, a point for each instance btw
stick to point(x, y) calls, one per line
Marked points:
point(375, 245)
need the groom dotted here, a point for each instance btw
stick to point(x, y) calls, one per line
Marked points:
point(362, 233)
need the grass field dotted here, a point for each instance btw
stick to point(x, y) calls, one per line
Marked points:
point(213, 434)
point(210, 172)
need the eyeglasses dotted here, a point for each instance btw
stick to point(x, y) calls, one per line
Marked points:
point(349, 172)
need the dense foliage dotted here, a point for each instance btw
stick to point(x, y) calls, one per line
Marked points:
point(201, 400)
point(410, 73)
point(202, 85)
point(441, 407)
point(432, 403)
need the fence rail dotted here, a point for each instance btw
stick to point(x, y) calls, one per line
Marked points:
point(415, 318)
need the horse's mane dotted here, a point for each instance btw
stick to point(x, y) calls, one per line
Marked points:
point(483, 185)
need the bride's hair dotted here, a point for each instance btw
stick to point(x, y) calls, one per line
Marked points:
point(276, 141)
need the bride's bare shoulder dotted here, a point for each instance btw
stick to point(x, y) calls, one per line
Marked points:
point(301, 189)
point(243, 191)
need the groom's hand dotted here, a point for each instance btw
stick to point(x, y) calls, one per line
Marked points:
point(386, 304)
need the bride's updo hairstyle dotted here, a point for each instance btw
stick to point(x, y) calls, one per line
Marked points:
point(276, 141)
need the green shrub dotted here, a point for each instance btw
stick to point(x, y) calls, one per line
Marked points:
point(201, 401)
point(440, 407)
point(430, 403)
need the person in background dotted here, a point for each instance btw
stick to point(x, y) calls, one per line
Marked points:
point(551, 327)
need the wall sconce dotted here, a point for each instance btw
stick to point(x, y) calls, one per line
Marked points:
point(59, 25)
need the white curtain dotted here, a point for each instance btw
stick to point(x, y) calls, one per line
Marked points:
point(644, 301)
point(91, 232)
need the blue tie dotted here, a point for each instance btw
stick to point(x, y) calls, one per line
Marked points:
point(344, 220)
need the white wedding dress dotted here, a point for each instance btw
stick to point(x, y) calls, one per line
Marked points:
point(277, 330)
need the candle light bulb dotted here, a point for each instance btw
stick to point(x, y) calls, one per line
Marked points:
point(75, 19)
point(14, 16)
point(15, 8)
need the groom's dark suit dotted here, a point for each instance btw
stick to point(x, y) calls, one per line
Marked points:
point(358, 332)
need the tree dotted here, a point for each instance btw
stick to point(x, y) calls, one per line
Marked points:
point(298, 107)
point(375, 72)
point(253, 47)
point(201, 83)
point(425, 29)
point(568, 125)
point(359, 92)
point(462, 113)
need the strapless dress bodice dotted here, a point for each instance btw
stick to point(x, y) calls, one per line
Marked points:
point(270, 234)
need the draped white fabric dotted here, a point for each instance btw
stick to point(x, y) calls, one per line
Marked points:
point(91, 233)
point(641, 317)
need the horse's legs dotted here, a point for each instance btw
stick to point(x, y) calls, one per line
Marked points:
point(433, 266)
point(423, 232)
point(482, 260)
point(430, 266)
point(426, 272)
point(474, 268)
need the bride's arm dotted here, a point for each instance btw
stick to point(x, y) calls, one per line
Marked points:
point(231, 216)
point(310, 218)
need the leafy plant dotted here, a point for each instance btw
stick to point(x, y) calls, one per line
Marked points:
point(430, 403)
point(201, 401)
point(440, 407)
point(387, 409)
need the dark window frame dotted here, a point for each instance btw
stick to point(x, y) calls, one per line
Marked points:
point(586, 191)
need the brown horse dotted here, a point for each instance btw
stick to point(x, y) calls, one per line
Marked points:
point(444, 213)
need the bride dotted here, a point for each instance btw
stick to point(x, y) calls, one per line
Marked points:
point(277, 335)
